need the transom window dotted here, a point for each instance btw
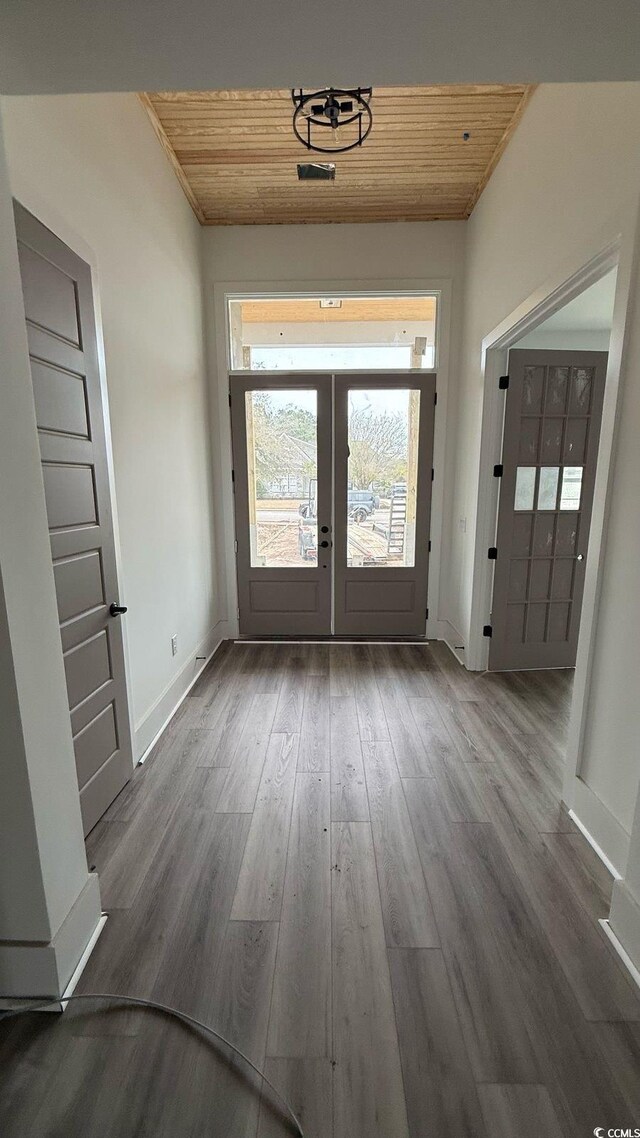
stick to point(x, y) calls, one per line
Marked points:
point(332, 333)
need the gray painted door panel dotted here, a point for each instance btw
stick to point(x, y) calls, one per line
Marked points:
point(62, 341)
point(552, 427)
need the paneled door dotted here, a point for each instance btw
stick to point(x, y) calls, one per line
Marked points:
point(332, 511)
point(384, 446)
point(281, 428)
point(62, 341)
point(551, 432)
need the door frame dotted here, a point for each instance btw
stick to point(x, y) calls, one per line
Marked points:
point(42, 211)
point(619, 253)
point(443, 462)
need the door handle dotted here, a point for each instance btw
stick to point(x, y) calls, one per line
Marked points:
point(324, 529)
point(580, 557)
point(324, 544)
point(117, 610)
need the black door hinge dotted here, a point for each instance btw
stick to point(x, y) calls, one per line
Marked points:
point(492, 554)
point(429, 547)
point(233, 475)
point(427, 614)
point(435, 397)
point(229, 398)
point(503, 382)
point(487, 631)
point(498, 470)
point(432, 474)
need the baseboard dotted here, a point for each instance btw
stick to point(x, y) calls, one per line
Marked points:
point(151, 727)
point(600, 828)
point(31, 970)
point(624, 927)
point(446, 631)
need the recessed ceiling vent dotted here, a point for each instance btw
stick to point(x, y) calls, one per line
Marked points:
point(316, 171)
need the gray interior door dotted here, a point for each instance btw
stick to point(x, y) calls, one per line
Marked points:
point(551, 432)
point(69, 411)
point(383, 449)
point(281, 430)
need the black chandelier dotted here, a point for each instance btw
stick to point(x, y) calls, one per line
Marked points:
point(332, 109)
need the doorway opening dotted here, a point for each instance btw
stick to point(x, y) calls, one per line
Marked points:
point(582, 315)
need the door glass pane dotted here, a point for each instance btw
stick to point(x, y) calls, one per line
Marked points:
point(571, 488)
point(548, 487)
point(525, 487)
point(382, 493)
point(282, 476)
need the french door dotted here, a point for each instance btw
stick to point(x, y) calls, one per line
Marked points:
point(332, 481)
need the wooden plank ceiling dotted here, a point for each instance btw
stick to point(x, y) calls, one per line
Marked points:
point(235, 154)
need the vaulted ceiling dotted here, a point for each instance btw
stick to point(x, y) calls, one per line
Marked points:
point(430, 153)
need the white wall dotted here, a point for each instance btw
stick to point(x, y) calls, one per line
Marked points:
point(160, 45)
point(312, 254)
point(91, 168)
point(567, 184)
point(585, 341)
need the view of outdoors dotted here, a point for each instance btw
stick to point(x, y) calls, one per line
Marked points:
point(282, 476)
point(332, 333)
point(282, 468)
point(383, 476)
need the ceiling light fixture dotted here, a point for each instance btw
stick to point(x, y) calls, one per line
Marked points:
point(345, 113)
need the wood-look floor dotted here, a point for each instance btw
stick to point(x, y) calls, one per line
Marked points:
point(352, 861)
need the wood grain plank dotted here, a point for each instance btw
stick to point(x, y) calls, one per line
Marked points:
point(300, 1023)
point(459, 133)
point(307, 1085)
point(583, 952)
point(368, 1089)
point(523, 1110)
point(315, 739)
point(243, 777)
point(406, 907)
point(261, 881)
point(488, 998)
point(349, 801)
point(440, 1090)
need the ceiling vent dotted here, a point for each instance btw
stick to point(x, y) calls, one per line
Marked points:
point(316, 171)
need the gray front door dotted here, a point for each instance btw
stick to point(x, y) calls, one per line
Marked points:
point(383, 448)
point(551, 432)
point(332, 521)
point(62, 340)
point(281, 429)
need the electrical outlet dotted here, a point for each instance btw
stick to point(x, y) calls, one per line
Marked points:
point(174, 645)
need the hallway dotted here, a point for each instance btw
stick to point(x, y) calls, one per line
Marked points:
point(352, 861)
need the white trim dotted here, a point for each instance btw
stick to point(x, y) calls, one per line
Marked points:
point(596, 848)
point(452, 638)
point(149, 730)
point(622, 953)
point(60, 1006)
point(218, 353)
point(603, 829)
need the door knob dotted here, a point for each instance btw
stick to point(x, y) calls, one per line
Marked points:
point(580, 557)
point(117, 610)
point(324, 544)
point(324, 529)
